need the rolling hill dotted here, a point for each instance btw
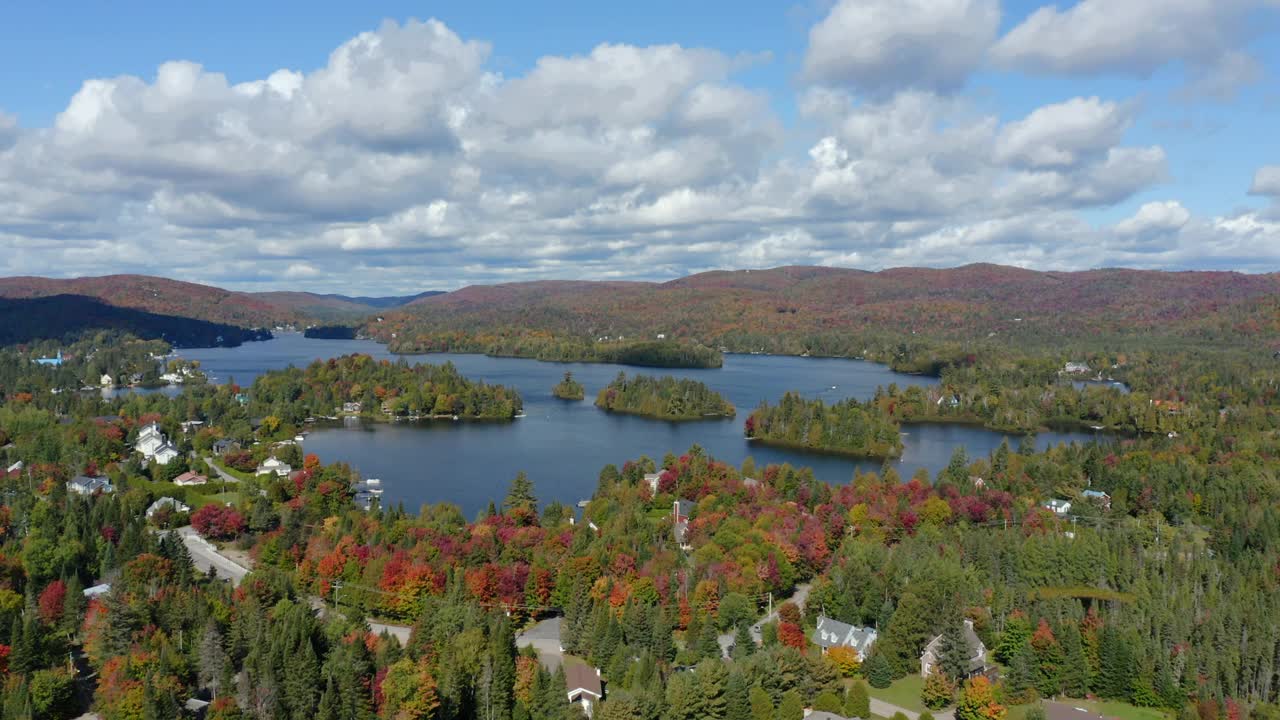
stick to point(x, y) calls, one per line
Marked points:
point(337, 307)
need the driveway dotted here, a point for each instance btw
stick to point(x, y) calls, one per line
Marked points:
point(886, 710)
point(757, 630)
point(204, 556)
point(544, 638)
point(223, 474)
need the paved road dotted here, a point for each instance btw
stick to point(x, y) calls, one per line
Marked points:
point(544, 638)
point(226, 476)
point(886, 710)
point(798, 597)
point(204, 556)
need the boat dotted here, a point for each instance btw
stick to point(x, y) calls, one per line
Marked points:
point(583, 503)
point(297, 438)
point(520, 415)
point(373, 481)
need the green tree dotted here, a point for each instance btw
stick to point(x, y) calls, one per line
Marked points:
point(520, 495)
point(761, 704)
point(878, 672)
point(828, 702)
point(858, 702)
point(791, 707)
point(953, 650)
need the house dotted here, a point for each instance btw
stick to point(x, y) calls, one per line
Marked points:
point(583, 682)
point(351, 407)
point(192, 425)
point(680, 511)
point(750, 482)
point(85, 485)
point(96, 590)
point(652, 479)
point(55, 361)
point(1058, 507)
point(977, 654)
point(106, 380)
point(1099, 497)
point(274, 465)
point(169, 504)
point(190, 477)
point(153, 445)
point(172, 378)
point(833, 633)
point(1066, 711)
point(15, 468)
point(1075, 368)
point(224, 446)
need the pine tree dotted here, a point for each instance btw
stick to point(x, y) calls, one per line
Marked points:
point(858, 702)
point(953, 651)
point(328, 708)
point(878, 672)
point(712, 678)
point(791, 707)
point(762, 704)
point(1020, 680)
point(743, 645)
point(211, 659)
point(520, 494)
point(737, 701)
point(1075, 667)
point(502, 647)
point(1017, 631)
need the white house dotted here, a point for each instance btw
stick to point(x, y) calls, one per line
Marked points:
point(107, 381)
point(584, 686)
point(169, 503)
point(153, 445)
point(274, 465)
point(1058, 507)
point(833, 633)
point(1075, 368)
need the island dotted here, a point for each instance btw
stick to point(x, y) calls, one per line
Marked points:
point(846, 428)
point(330, 332)
point(569, 389)
point(664, 398)
point(359, 385)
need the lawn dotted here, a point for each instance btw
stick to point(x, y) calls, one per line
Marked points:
point(1110, 708)
point(904, 692)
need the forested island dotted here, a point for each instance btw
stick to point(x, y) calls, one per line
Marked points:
point(381, 389)
point(569, 389)
point(664, 398)
point(330, 332)
point(847, 427)
point(549, 348)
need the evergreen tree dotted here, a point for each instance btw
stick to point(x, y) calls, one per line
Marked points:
point(858, 702)
point(1017, 632)
point(736, 694)
point(712, 678)
point(953, 651)
point(1020, 680)
point(328, 708)
point(502, 648)
point(520, 494)
point(762, 704)
point(743, 644)
point(1074, 676)
point(878, 672)
point(791, 707)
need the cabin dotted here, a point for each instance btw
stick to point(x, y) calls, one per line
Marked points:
point(583, 683)
point(351, 407)
point(167, 503)
point(977, 654)
point(833, 633)
point(274, 465)
point(1058, 507)
point(89, 485)
point(97, 590)
point(1099, 497)
point(189, 478)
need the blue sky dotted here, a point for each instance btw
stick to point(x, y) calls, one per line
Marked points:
point(859, 132)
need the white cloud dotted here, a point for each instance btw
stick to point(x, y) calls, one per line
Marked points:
point(1136, 37)
point(1154, 217)
point(879, 46)
point(1063, 134)
point(1266, 181)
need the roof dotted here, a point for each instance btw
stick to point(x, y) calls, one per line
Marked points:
point(684, 508)
point(833, 633)
point(90, 483)
point(582, 678)
point(977, 661)
point(190, 477)
point(97, 590)
point(16, 466)
point(1098, 494)
point(824, 715)
point(167, 502)
point(1066, 711)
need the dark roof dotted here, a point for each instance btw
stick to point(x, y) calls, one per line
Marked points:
point(833, 633)
point(582, 677)
point(977, 660)
point(684, 508)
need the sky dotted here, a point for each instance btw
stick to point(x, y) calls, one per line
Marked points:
point(386, 148)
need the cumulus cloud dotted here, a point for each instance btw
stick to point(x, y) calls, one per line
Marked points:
point(879, 46)
point(407, 162)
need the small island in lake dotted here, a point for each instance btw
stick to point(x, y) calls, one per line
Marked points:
point(847, 427)
point(665, 398)
point(569, 389)
point(330, 332)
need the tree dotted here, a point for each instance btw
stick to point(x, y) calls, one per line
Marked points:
point(409, 691)
point(791, 707)
point(978, 701)
point(1049, 660)
point(1074, 677)
point(828, 702)
point(737, 697)
point(844, 659)
point(520, 495)
point(938, 691)
point(878, 672)
point(858, 703)
point(953, 650)
point(1017, 632)
point(743, 644)
point(52, 693)
point(761, 704)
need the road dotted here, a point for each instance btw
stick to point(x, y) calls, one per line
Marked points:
point(544, 638)
point(223, 474)
point(886, 710)
point(399, 632)
point(204, 556)
point(798, 597)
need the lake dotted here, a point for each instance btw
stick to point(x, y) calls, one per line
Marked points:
point(562, 445)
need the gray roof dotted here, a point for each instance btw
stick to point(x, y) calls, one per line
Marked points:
point(824, 715)
point(91, 483)
point(584, 678)
point(977, 649)
point(684, 508)
point(833, 633)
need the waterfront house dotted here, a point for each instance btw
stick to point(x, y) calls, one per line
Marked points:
point(274, 465)
point(583, 683)
point(833, 633)
point(351, 407)
point(106, 380)
point(977, 654)
point(89, 485)
point(1075, 368)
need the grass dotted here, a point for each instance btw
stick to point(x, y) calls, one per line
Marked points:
point(904, 692)
point(1110, 708)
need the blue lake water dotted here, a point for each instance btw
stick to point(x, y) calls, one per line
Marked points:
point(562, 445)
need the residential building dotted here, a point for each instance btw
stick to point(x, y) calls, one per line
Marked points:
point(224, 446)
point(977, 654)
point(189, 478)
point(833, 633)
point(192, 425)
point(86, 485)
point(15, 468)
point(154, 446)
point(585, 688)
point(169, 504)
point(54, 361)
point(1058, 507)
point(274, 465)
point(1076, 367)
point(680, 512)
point(96, 590)
point(652, 480)
point(107, 381)
point(1099, 497)
point(351, 407)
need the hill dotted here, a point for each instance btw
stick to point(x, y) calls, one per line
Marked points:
point(159, 296)
point(23, 320)
point(337, 307)
point(823, 310)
